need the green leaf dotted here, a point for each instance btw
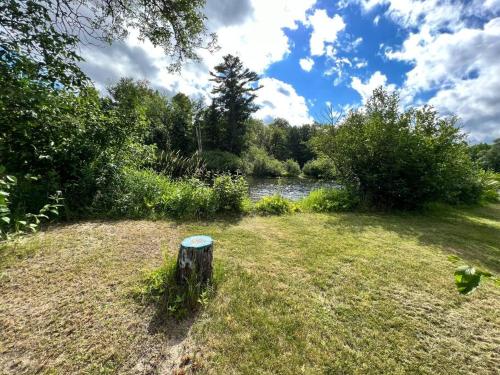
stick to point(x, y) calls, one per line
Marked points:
point(467, 279)
point(6, 219)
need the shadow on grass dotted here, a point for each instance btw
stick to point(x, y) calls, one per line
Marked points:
point(164, 323)
point(470, 233)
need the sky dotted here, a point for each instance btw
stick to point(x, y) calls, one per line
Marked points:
point(315, 54)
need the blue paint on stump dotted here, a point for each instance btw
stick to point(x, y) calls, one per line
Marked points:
point(197, 242)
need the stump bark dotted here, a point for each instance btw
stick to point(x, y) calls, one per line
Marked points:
point(195, 259)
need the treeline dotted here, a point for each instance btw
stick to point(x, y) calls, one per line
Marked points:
point(223, 135)
point(185, 126)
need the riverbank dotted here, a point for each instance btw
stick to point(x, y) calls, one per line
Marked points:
point(303, 293)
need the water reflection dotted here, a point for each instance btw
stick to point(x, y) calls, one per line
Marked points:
point(290, 188)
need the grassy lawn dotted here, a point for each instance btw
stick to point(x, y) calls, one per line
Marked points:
point(305, 293)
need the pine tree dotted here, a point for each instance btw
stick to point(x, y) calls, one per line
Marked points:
point(181, 124)
point(235, 94)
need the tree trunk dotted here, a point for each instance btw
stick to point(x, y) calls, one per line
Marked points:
point(195, 259)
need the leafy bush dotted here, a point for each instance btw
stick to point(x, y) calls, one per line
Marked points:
point(402, 159)
point(159, 287)
point(12, 224)
point(61, 136)
point(329, 200)
point(292, 168)
point(136, 194)
point(230, 193)
point(263, 165)
point(144, 193)
point(189, 199)
point(321, 168)
point(222, 161)
point(274, 205)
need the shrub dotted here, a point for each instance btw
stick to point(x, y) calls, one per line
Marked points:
point(263, 165)
point(274, 205)
point(159, 287)
point(222, 161)
point(400, 159)
point(321, 168)
point(16, 223)
point(144, 193)
point(292, 168)
point(136, 194)
point(230, 193)
point(189, 199)
point(329, 200)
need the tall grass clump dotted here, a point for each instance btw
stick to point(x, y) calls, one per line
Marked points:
point(159, 287)
point(329, 200)
point(173, 164)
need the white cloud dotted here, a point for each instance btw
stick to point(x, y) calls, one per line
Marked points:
point(258, 38)
point(416, 12)
point(376, 20)
point(463, 68)
point(361, 64)
point(279, 99)
point(357, 42)
point(306, 64)
point(365, 89)
point(458, 68)
point(325, 30)
point(261, 40)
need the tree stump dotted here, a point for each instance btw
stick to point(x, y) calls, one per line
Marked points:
point(195, 255)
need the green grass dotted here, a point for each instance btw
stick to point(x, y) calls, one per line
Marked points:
point(305, 293)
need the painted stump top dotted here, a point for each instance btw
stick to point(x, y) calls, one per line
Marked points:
point(197, 242)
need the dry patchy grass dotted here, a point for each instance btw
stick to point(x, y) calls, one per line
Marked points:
point(306, 293)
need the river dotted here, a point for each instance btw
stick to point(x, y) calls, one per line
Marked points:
point(290, 188)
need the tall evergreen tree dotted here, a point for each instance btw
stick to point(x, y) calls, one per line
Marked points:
point(212, 130)
point(234, 100)
point(181, 124)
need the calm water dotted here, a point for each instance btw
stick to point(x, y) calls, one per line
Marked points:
point(290, 188)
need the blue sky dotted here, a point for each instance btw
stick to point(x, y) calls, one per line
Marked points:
point(359, 43)
point(312, 53)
